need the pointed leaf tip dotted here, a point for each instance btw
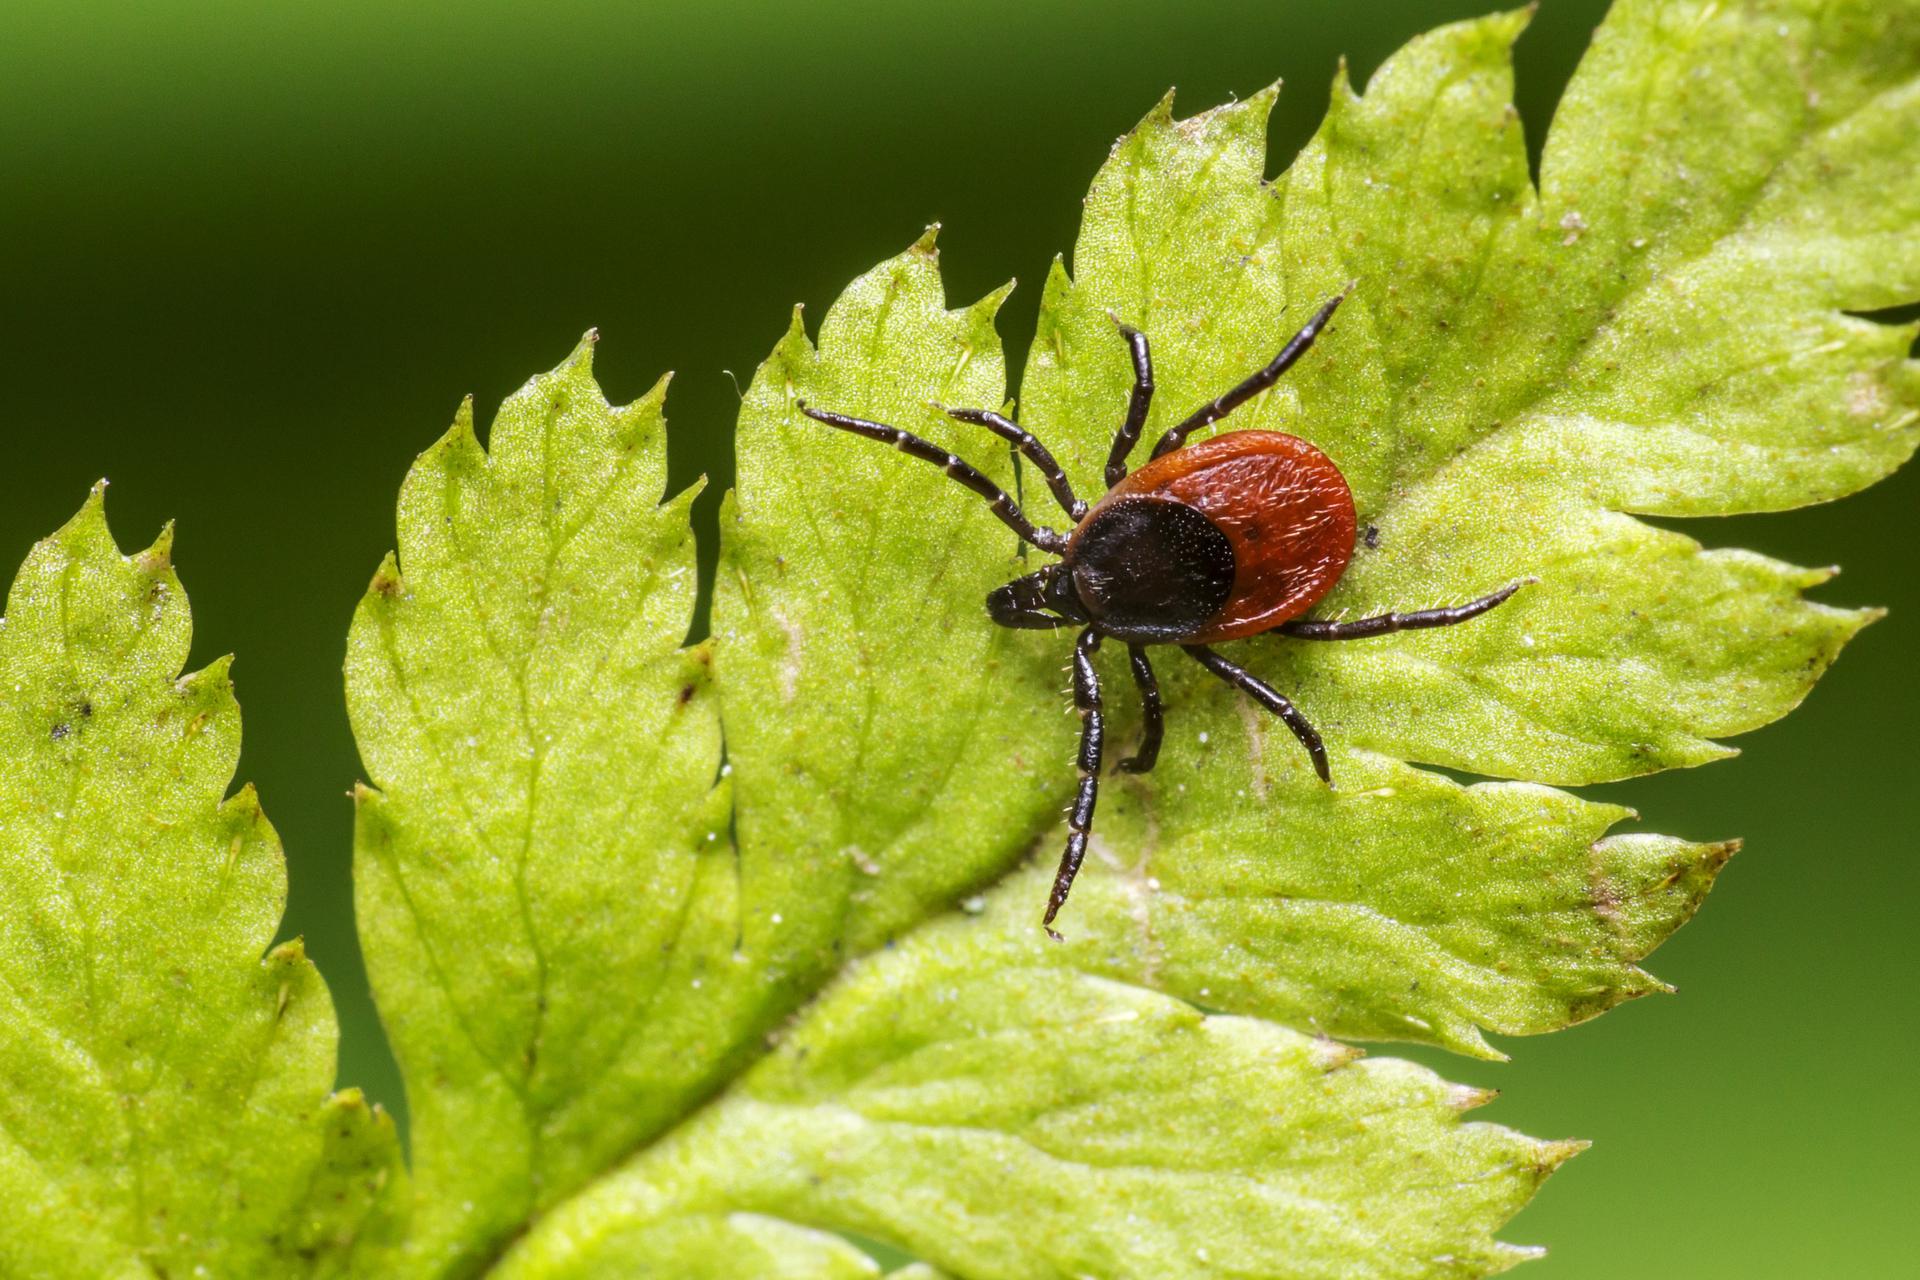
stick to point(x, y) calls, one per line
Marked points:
point(157, 559)
point(1331, 1055)
point(386, 583)
point(990, 303)
point(1549, 1156)
point(217, 674)
point(89, 523)
point(580, 359)
point(1343, 91)
point(460, 433)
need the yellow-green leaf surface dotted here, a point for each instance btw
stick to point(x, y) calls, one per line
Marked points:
point(970, 1099)
point(164, 1075)
point(542, 889)
point(661, 1016)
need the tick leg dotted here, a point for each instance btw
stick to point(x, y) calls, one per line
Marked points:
point(912, 445)
point(1226, 404)
point(1387, 623)
point(1030, 448)
point(1153, 724)
point(1093, 732)
point(1270, 698)
point(1137, 405)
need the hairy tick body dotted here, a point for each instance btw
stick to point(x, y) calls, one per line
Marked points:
point(1228, 538)
point(1222, 539)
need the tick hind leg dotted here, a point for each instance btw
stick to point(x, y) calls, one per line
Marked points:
point(1152, 721)
point(1387, 623)
point(1214, 410)
point(1093, 731)
point(1270, 698)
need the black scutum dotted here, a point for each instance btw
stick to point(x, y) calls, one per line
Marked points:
point(1152, 569)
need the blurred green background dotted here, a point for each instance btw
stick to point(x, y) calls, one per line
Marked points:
point(254, 257)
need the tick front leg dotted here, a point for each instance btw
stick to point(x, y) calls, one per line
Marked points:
point(1152, 723)
point(1137, 404)
point(1093, 730)
point(1388, 623)
point(958, 468)
point(1270, 698)
point(1030, 448)
point(1214, 410)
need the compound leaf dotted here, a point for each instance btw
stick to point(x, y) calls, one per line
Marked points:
point(597, 962)
point(164, 1075)
point(1432, 910)
point(1487, 330)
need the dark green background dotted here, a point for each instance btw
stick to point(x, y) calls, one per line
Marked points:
point(252, 261)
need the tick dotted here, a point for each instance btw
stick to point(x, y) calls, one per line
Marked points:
point(1232, 537)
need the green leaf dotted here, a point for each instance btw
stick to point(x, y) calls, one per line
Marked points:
point(1498, 345)
point(539, 876)
point(886, 743)
point(164, 1104)
point(663, 1017)
point(965, 1096)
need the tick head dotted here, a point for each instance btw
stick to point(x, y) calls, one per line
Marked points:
point(1023, 601)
